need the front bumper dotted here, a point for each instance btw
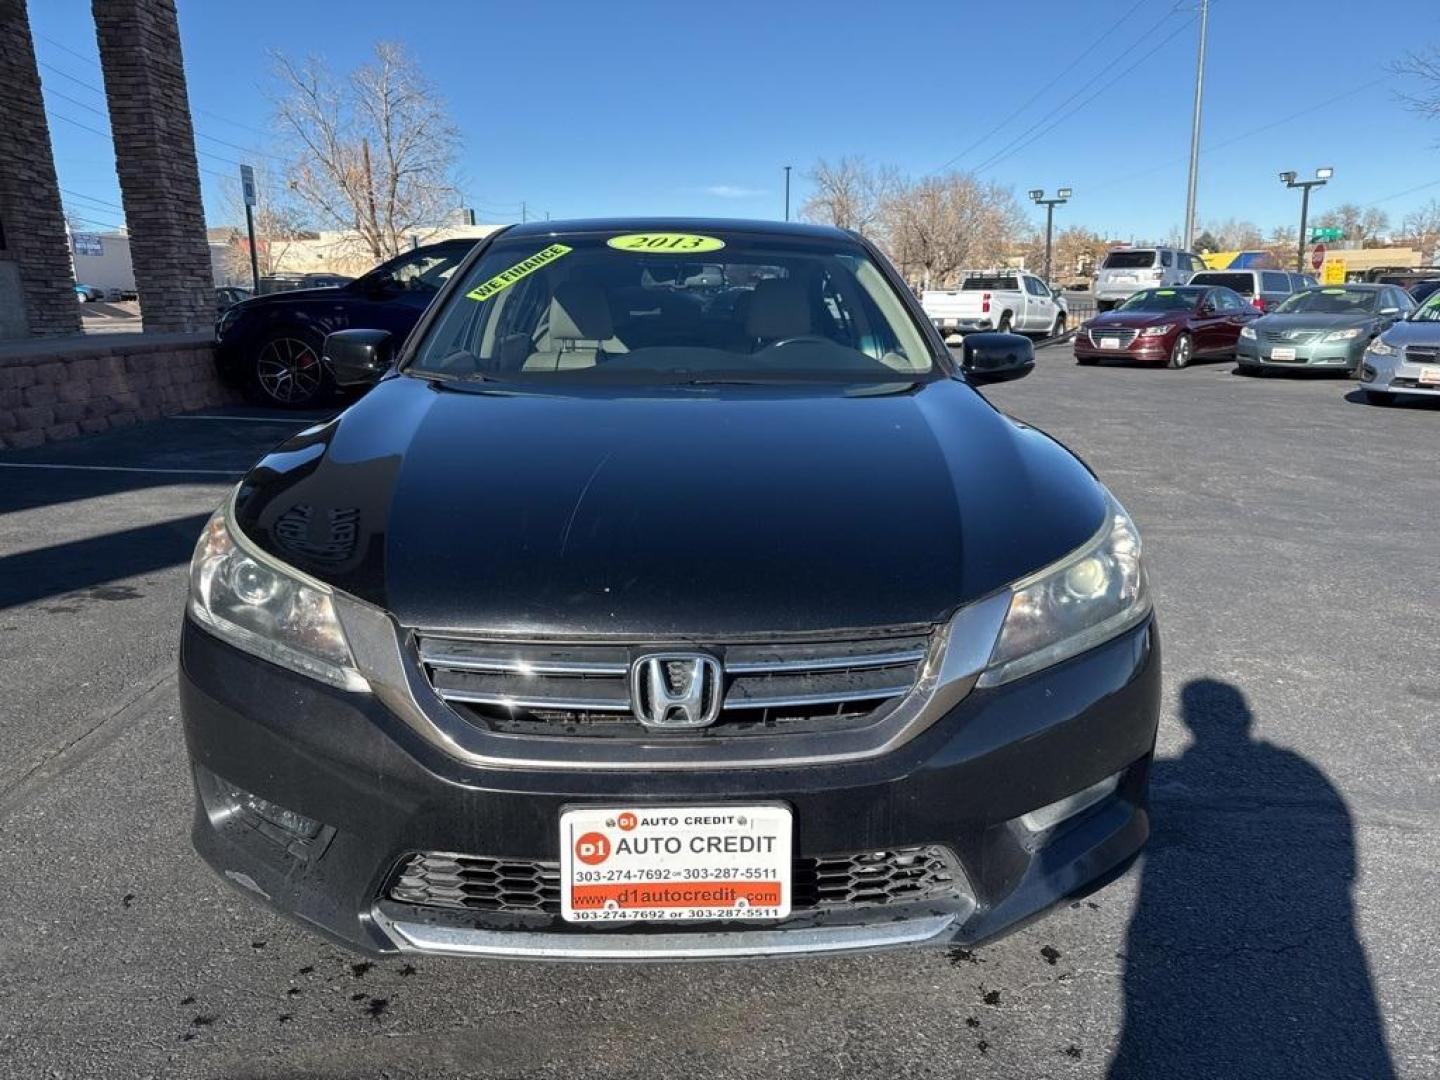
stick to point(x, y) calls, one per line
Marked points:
point(382, 793)
point(1396, 375)
point(1332, 355)
point(1149, 350)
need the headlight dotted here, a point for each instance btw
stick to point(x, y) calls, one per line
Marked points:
point(1343, 335)
point(1157, 331)
point(1381, 348)
point(1086, 598)
point(255, 604)
point(1248, 332)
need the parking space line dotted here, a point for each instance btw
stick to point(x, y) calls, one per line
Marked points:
point(120, 468)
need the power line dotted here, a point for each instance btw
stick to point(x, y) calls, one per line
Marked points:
point(1021, 138)
point(93, 221)
point(91, 198)
point(1012, 149)
point(1121, 178)
point(1038, 93)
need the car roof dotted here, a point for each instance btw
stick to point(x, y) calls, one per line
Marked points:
point(680, 224)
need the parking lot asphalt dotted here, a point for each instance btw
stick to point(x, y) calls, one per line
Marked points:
point(1282, 922)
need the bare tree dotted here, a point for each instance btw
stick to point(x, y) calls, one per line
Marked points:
point(1421, 228)
point(1235, 235)
point(1075, 252)
point(1358, 224)
point(944, 224)
point(376, 150)
point(850, 194)
point(1423, 70)
point(279, 223)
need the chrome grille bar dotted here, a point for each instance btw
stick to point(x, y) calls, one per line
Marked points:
point(553, 687)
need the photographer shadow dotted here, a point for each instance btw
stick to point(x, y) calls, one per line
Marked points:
point(1242, 958)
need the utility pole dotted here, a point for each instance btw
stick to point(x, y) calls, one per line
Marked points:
point(787, 192)
point(1195, 128)
point(1322, 177)
point(522, 212)
point(1062, 196)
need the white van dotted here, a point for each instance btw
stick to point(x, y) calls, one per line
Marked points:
point(1125, 271)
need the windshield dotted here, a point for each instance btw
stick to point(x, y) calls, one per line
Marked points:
point(649, 307)
point(1429, 311)
point(1163, 300)
point(1129, 260)
point(1330, 302)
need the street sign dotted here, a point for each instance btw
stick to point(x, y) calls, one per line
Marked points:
point(1330, 233)
point(87, 244)
point(1334, 272)
point(1317, 257)
point(247, 184)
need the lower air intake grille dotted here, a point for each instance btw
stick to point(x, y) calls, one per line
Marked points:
point(520, 886)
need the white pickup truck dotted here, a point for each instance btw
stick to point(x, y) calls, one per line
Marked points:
point(1004, 300)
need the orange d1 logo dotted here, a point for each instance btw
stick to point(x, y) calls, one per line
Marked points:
point(627, 821)
point(592, 848)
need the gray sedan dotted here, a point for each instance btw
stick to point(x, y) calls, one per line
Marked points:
point(1328, 326)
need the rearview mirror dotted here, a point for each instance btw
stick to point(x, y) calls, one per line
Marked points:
point(359, 357)
point(992, 358)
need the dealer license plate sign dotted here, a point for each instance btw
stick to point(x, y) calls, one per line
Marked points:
point(1283, 353)
point(1109, 343)
point(1429, 376)
point(675, 863)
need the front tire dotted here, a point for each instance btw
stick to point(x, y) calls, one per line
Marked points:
point(288, 371)
point(1058, 330)
point(1379, 397)
point(1181, 352)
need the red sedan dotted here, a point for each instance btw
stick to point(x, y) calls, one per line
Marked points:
point(1170, 326)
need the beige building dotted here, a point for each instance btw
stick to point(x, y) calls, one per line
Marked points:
point(330, 251)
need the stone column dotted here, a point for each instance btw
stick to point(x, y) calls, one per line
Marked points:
point(37, 281)
point(155, 158)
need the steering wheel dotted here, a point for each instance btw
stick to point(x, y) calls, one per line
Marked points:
point(814, 339)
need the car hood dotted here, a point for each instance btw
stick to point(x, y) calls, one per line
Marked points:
point(1407, 332)
point(1310, 321)
point(1137, 320)
point(669, 512)
point(290, 296)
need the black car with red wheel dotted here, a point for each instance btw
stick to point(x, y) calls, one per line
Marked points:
point(1167, 326)
point(271, 345)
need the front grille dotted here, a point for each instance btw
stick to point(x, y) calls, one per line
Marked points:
point(584, 690)
point(522, 886)
point(1422, 354)
point(1290, 337)
point(1124, 337)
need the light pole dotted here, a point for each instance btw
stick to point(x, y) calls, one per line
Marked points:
point(1061, 196)
point(787, 192)
point(1322, 176)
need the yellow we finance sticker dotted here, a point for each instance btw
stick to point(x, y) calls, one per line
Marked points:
point(506, 278)
point(666, 243)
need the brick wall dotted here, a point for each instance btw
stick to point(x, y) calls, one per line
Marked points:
point(85, 386)
point(32, 226)
point(155, 159)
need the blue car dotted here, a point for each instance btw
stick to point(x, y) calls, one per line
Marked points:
point(272, 345)
point(87, 293)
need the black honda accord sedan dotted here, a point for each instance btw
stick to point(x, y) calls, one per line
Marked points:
point(673, 594)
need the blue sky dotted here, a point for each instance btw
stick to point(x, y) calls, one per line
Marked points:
point(619, 107)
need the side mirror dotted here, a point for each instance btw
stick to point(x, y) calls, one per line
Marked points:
point(992, 358)
point(359, 357)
